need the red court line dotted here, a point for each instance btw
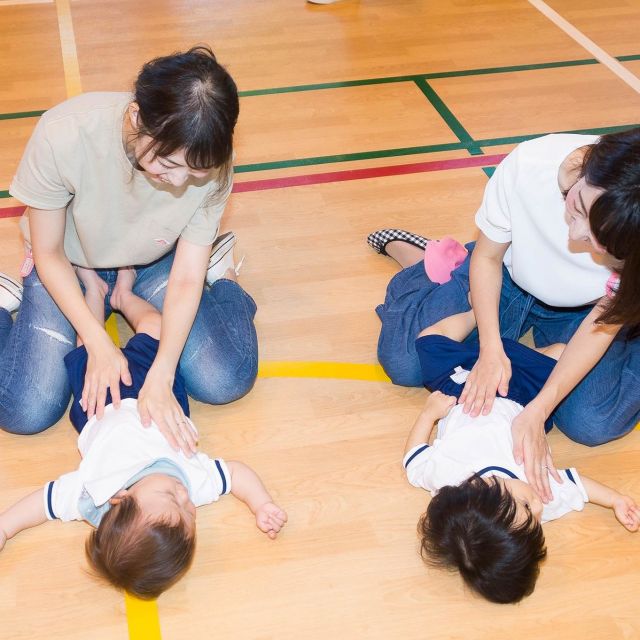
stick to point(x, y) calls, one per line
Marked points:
point(362, 174)
point(11, 212)
point(342, 176)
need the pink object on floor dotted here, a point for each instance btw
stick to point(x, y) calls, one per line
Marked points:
point(441, 257)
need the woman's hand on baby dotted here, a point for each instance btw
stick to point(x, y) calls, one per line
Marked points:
point(438, 404)
point(157, 403)
point(627, 512)
point(531, 448)
point(490, 374)
point(106, 367)
point(270, 518)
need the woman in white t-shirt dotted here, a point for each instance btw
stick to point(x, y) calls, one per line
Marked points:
point(117, 179)
point(559, 253)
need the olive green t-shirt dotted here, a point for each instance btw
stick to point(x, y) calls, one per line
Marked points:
point(116, 216)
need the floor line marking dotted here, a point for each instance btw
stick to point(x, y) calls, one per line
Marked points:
point(143, 619)
point(68, 47)
point(447, 115)
point(586, 43)
point(333, 370)
point(363, 174)
point(437, 75)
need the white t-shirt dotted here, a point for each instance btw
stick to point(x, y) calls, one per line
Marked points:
point(115, 215)
point(465, 446)
point(115, 449)
point(523, 205)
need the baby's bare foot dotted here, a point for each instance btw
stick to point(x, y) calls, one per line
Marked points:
point(124, 285)
point(94, 285)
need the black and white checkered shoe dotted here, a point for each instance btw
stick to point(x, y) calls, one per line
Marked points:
point(378, 240)
point(10, 293)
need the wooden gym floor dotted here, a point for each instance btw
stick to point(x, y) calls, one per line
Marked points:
point(354, 116)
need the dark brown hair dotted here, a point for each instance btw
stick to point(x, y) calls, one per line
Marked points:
point(473, 528)
point(613, 164)
point(187, 100)
point(144, 558)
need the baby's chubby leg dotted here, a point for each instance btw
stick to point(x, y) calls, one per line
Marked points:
point(141, 315)
point(456, 327)
point(553, 350)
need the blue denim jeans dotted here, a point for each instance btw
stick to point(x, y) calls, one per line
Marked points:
point(219, 362)
point(605, 405)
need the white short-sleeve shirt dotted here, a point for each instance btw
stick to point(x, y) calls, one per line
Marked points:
point(465, 446)
point(523, 205)
point(114, 450)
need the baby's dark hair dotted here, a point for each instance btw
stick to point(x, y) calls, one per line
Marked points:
point(143, 558)
point(473, 528)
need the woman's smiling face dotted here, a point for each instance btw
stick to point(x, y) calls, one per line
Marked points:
point(578, 204)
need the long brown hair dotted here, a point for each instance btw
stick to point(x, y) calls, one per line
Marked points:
point(613, 164)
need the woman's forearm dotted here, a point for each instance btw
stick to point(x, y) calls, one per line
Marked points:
point(581, 354)
point(485, 276)
point(184, 291)
point(59, 278)
point(57, 275)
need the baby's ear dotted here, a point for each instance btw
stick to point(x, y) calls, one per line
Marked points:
point(119, 497)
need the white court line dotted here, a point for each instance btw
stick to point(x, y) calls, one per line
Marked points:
point(599, 54)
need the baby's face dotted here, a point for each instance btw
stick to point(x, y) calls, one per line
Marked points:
point(527, 500)
point(162, 497)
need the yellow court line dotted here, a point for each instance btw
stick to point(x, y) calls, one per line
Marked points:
point(111, 326)
point(142, 618)
point(68, 46)
point(335, 370)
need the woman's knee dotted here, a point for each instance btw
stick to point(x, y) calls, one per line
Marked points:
point(587, 426)
point(28, 419)
point(404, 371)
point(222, 384)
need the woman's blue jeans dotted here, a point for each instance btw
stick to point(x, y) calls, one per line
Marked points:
point(219, 361)
point(603, 406)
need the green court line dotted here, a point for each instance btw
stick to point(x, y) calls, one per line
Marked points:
point(21, 114)
point(447, 115)
point(429, 76)
point(349, 157)
point(407, 151)
point(389, 80)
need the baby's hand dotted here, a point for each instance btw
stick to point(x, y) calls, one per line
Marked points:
point(627, 512)
point(438, 404)
point(3, 539)
point(270, 518)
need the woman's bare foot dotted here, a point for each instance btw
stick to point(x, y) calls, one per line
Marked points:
point(124, 285)
point(94, 285)
point(404, 253)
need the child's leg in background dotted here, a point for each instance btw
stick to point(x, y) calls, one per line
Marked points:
point(220, 358)
point(34, 390)
point(413, 303)
point(140, 314)
point(456, 327)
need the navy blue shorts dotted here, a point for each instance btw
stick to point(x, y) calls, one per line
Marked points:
point(140, 353)
point(439, 356)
